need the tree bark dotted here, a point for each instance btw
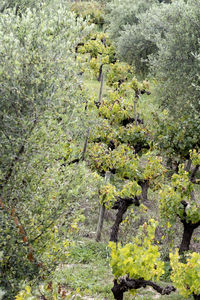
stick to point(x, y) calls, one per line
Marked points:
point(188, 230)
point(122, 206)
point(100, 72)
point(196, 297)
point(118, 291)
point(145, 186)
point(127, 283)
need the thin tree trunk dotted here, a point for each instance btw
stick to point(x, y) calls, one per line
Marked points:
point(193, 173)
point(101, 89)
point(100, 72)
point(135, 112)
point(85, 145)
point(102, 212)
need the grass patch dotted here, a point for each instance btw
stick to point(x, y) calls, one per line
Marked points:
point(88, 271)
point(89, 251)
point(92, 279)
point(93, 87)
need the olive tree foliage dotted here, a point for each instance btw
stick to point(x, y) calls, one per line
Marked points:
point(176, 67)
point(36, 70)
point(133, 42)
point(20, 5)
point(175, 64)
point(170, 32)
point(165, 41)
point(42, 118)
point(138, 35)
point(122, 13)
point(138, 41)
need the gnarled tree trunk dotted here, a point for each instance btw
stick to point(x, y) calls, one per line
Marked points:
point(121, 205)
point(125, 284)
point(188, 229)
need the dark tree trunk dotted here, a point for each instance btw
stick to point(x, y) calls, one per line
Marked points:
point(119, 218)
point(188, 165)
point(145, 187)
point(100, 72)
point(144, 195)
point(125, 284)
point(118, 291)
point(188, 230)
point(169, 163)
point(193, 173)
point(196, 297)
point(122, 206)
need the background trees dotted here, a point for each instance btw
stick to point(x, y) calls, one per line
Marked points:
point(165, 39)
point(176, 60)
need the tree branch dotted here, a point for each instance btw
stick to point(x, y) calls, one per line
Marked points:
point(125, 284)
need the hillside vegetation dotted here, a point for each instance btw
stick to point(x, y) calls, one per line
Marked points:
point(99, 152)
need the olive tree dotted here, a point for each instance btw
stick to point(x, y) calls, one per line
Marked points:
point(39, 103)
point(176, 68)
point(121, 13)
point(20, 5)
point(175, 64)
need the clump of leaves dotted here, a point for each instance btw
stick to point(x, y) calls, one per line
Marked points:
point(140, 258)
point(186, 276)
